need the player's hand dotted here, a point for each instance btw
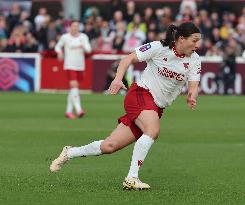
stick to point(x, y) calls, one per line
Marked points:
point(191, 101)
point(60, 56)
point(115, 86)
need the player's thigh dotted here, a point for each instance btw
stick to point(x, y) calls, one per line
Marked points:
point(148, 121)
point(118, 139)
point(74, 83)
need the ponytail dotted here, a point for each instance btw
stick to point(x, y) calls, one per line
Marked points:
point(174, 32)
point(170, 36)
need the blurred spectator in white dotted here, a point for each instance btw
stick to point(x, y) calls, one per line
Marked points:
point(190, 4)
point(185, 15)
point(243, 54)
point(40, 19)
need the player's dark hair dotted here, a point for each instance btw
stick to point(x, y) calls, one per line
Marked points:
point(174, 32)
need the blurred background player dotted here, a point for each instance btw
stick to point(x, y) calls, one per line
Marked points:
point(170, 64)
point(227, 74)
point(73, 46)
point(111, 74)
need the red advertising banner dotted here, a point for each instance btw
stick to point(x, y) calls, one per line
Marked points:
point(102, 63)
point(53, 76)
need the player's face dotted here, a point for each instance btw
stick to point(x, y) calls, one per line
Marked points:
point(191, 44)
point(74, 28)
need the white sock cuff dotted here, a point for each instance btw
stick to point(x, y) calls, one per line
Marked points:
point(145, 139)
point(96, 146)
point(74, 91)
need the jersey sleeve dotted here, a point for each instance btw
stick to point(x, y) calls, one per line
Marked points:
point(195, 71)
point(148, 51)
point(60, 44)
point(86, 44)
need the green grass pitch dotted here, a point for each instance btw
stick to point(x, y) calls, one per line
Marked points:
point(199, 157)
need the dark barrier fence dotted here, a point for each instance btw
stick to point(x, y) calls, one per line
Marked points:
point(208, 85)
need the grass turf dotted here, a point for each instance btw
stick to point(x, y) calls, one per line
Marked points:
point(198, 158)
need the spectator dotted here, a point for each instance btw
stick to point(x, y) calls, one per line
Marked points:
point(133, 39)
point(137, 23)
point(41, 18)
point(228, 70)
point(31, 45)
point(13, 17)
point(130, 11)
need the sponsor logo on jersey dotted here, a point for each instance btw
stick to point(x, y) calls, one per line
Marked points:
point(171, 74)
point(145, 47)
point(186, 65)
point(199, 71)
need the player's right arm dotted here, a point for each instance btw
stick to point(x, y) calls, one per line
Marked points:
point(117, 83)
point(142, 53)
point(59, 48)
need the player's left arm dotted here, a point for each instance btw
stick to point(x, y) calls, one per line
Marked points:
point(86, 45)
point(193, 83)
point(192, 94)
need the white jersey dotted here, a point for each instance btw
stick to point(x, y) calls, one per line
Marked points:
point(166, 72)
point(74, 53)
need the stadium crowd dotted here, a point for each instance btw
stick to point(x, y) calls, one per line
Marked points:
point(123, 29)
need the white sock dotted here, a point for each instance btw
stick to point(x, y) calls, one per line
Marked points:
point(86, 150)
point(76, 99)
point(69, 105)
point(141, 148)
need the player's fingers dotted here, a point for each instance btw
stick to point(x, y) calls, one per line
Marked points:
point(124, 87)
point(189, 95)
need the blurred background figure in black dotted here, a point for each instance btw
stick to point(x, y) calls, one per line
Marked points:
point(227, 74)
point(111, 73)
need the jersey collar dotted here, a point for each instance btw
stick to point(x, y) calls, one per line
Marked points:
point(177, 54)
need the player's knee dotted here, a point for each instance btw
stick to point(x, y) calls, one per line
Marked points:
point(73, 84)
point(153, 132)
point(108, 147)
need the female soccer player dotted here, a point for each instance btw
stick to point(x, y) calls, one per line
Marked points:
point(170, 64)
point(75, 44)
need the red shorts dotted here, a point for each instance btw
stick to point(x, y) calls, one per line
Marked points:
point(137, 100)
point(74, 75)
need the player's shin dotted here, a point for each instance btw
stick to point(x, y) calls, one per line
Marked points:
point(92, 149)
point(141, 149)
